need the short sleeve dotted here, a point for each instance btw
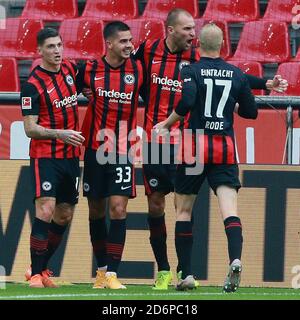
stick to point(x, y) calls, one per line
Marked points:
point(30, 100)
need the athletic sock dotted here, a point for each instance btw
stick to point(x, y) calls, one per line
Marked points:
point(38, 245)
point(98, 235)
point(55, 235)
point(233, 229)
point(183, 244)
point(115, 244)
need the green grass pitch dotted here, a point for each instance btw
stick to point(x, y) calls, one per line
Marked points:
point(21, 291)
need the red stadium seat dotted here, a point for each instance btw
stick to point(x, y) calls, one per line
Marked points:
point(35, 63)
point(291, 72)
point(9, 75)
point(226, 49)
point(18, 39)
point(82, 38)
point(111, 10)
point(263, 41)
point(159, 8)
point(281, 10)
point(143, 29)
point(50, 10)
point(253, 68)
point(232, 10)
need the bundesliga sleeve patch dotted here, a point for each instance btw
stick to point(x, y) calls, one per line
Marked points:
point(26, 103)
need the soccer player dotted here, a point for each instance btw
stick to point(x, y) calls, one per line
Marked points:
point(49, 107)
point(211, 89)
point(162, 61)
point(114, 80)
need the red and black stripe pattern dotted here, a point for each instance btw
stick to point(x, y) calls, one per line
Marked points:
point(55, 97)
point(113, 108)
point(115, 243)
point(214, 149)
point(163, 81)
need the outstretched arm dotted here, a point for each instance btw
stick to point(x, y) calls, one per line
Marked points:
point(277, 83)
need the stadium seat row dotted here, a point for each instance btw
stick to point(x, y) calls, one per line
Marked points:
point(289, 70)
point(261, 41)
point(225, 10)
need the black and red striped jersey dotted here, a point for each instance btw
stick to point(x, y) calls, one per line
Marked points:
point(162, 85)
point(52, 96)
point(113, 107)
point(211, 89)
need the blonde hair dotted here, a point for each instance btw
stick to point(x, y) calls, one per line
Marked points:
point(211, 37)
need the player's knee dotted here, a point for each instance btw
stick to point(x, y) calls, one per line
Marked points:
point(45, 209)
point(118, 211)
point(96, 213)
point(184, 214)
point(65, 219)
point(156, 206)
point(96, 209)
point(64, 214)
point(156, 209)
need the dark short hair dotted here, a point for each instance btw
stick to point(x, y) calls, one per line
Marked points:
point(173, 16)
point(112, 28)
point(46, 33)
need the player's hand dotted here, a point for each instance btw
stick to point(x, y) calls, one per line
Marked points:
point(87, 92)
point(161, 128)
point(71, 137)
point(277, 84)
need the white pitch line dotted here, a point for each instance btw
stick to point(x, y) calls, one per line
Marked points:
point(37, 296)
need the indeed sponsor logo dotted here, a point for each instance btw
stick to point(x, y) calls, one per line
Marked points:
point(66, 102)
point(123, 96)
point(167, 82)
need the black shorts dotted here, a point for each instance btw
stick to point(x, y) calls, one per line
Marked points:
point(216, 174)
point(101, 181)
point(57, 178)
point(159, 177)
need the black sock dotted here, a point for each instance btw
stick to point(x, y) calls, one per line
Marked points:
point(184, 243)
point(38, 245)
point(55, 235)
point(233, 229)
point(115, 244)
point(98, 235)
point(158, 240)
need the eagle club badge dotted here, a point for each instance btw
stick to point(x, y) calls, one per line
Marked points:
point(129, 79)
